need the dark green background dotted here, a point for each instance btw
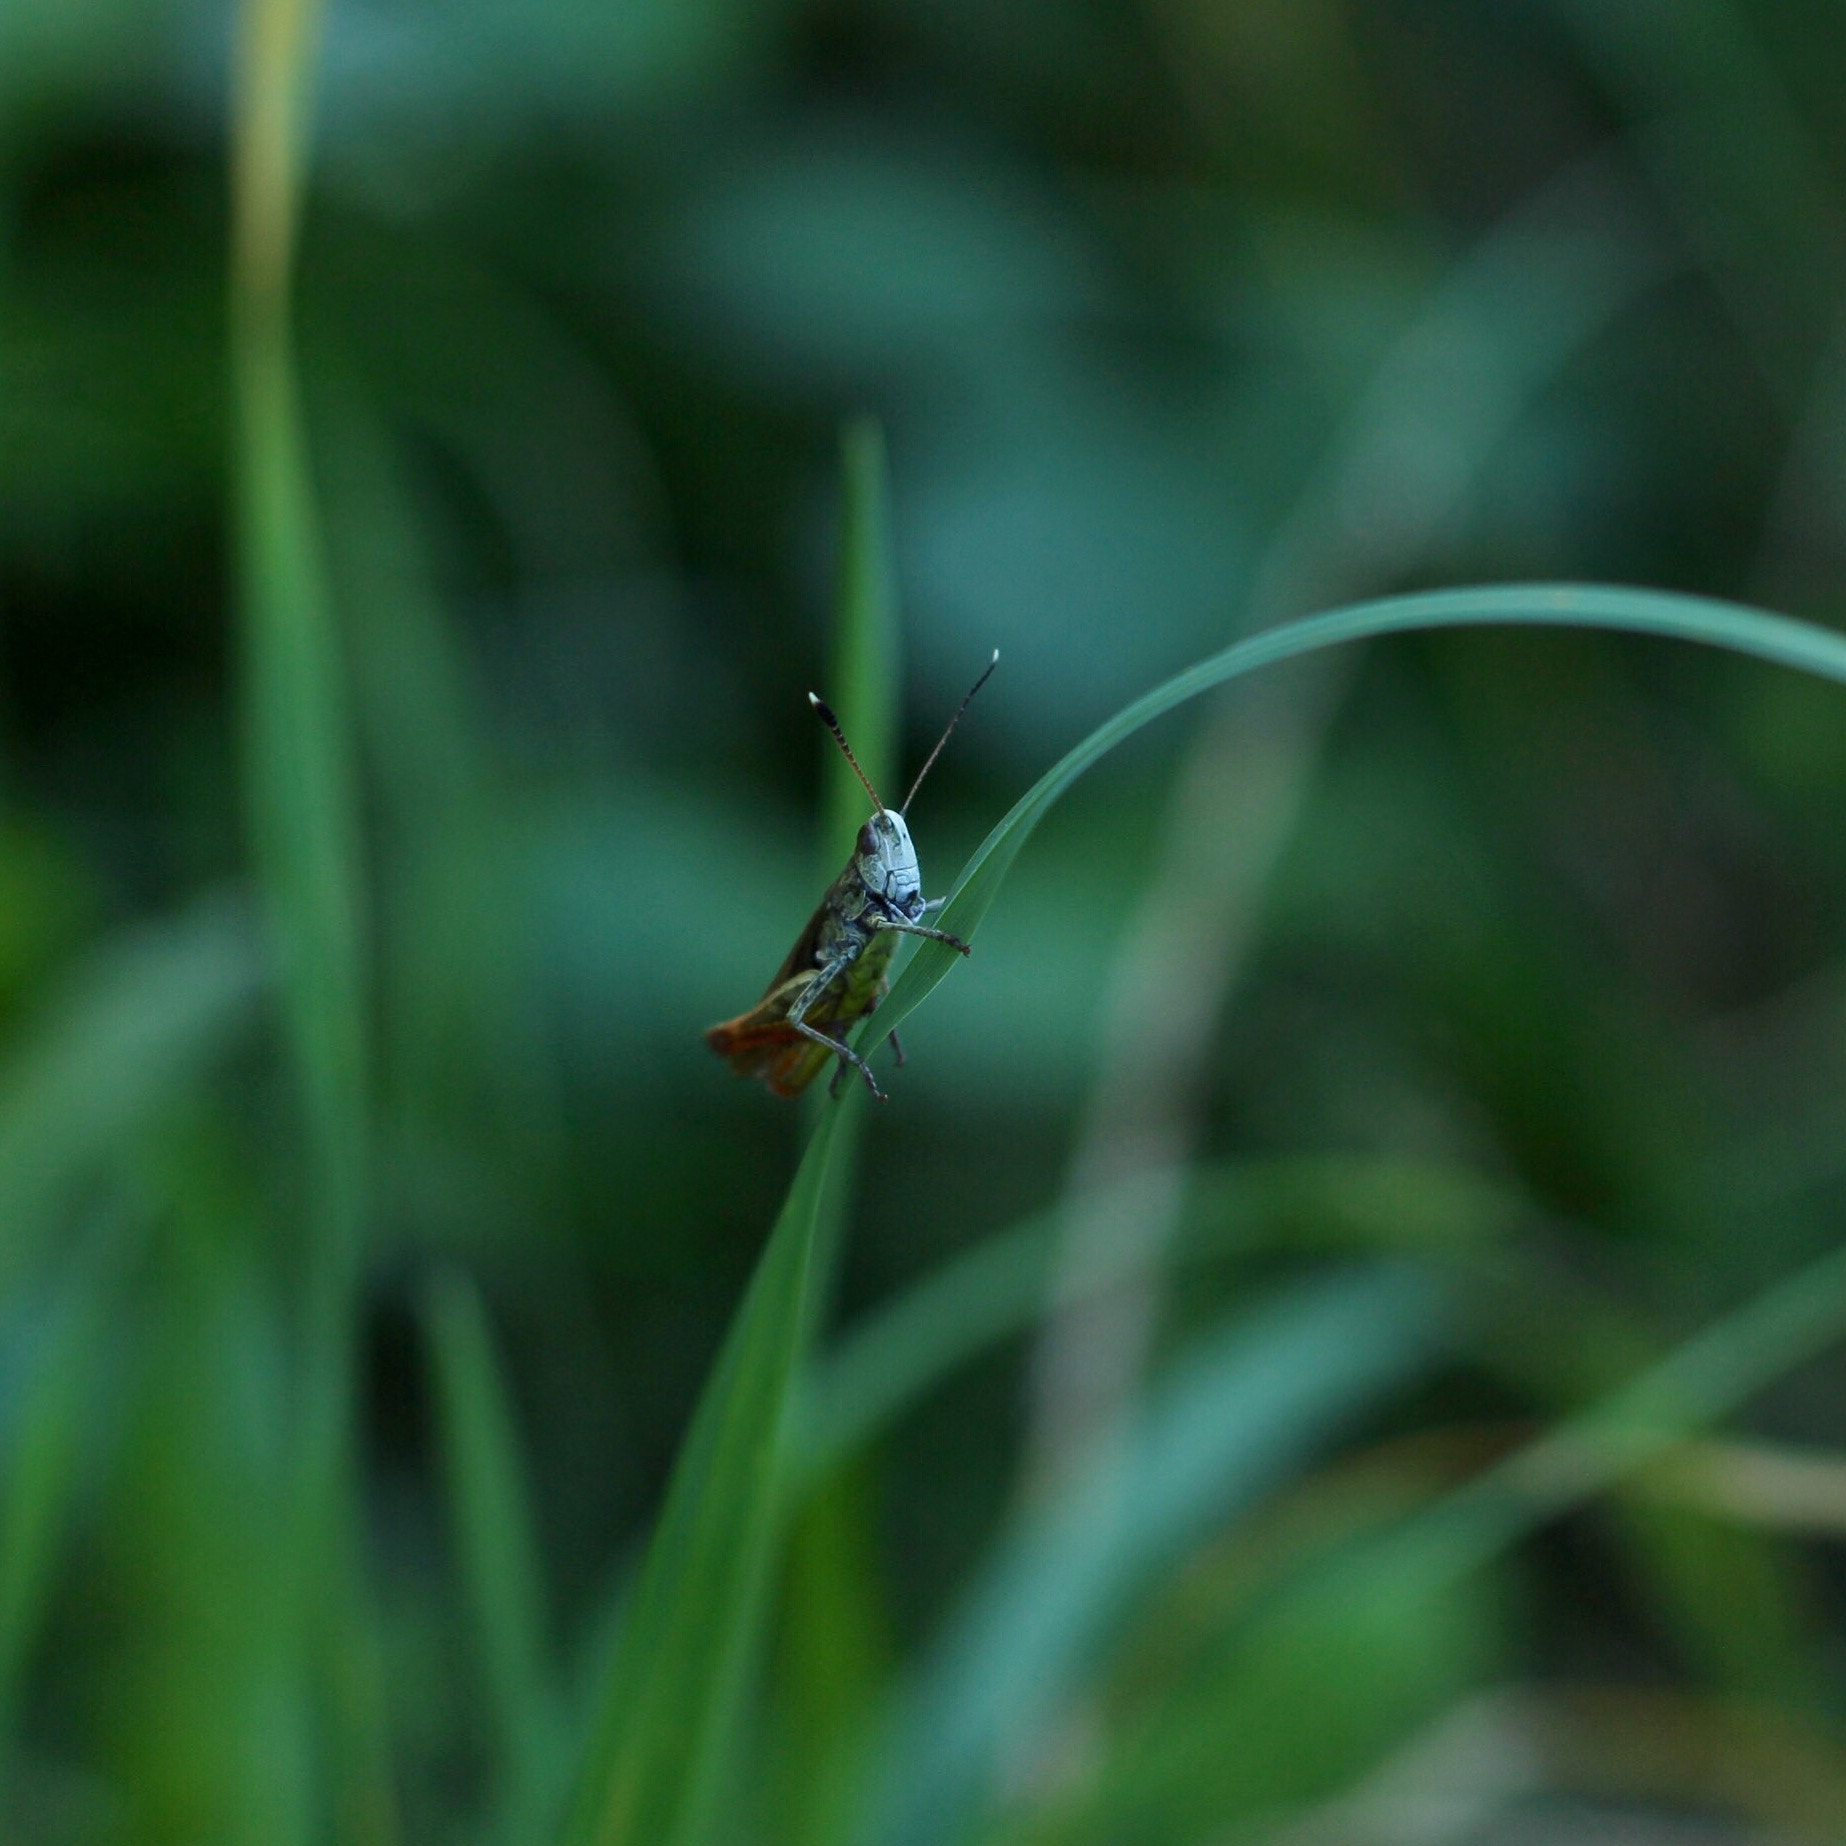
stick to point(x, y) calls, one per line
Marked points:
point(1179, 318)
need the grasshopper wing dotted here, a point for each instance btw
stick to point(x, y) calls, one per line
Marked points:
point(761, 1042)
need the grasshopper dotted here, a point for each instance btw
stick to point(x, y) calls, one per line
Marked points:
point(835, 975)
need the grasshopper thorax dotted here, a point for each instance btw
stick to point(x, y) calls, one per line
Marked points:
point(887, 863)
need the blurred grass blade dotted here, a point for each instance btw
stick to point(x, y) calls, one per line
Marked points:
point(1704, 1380)
point(301, 796)
point(863, 687)
point(902, 1350)
point(42, 1426)
point(827, 1661)
point(695, 1624)
point(669, 1708)
point(301, 780)
point(1776, 638)
point(832, 1658)
point(666, 1725)
point(499, 1552)
point(1232, 1420)
point(361, 1778)
point(1698, 1384)
point(865, 695)
point(1261, 1700)
point(147, 1013)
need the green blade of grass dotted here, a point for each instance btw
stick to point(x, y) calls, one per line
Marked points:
point(693, 1626)
point(863, 688)
point(1775, 638)
point(44, 1427)
point(825, 1663)
point(669, 1707)
point(865, 696)
point(1698, 1384)
point(832, 1660)
point(298, 761)
point(301, 797)
point(495, 1535)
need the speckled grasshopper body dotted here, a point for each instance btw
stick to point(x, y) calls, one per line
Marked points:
point(836, 973)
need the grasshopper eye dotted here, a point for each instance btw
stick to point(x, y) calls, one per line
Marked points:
point(868, 838)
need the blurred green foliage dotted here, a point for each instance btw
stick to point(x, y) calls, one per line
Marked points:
point(1210, 1374)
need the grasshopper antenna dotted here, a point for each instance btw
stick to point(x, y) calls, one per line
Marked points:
point(839, 737)
point(944, 738)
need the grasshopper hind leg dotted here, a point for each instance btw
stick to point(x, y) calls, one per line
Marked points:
point(846, 1055)
point(841, 1050)
point(844, 1052)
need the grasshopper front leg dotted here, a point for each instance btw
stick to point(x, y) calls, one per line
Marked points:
point(917, 929)
point(797, 1017)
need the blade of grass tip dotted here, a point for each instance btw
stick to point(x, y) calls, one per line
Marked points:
point(863, 679)
point(301, 787)
point(664, 1732)
point(1778, 639)
point(495, 1535)
point(298, 759)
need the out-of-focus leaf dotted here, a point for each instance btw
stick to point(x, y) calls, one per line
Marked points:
point(894, 1355)
point(1296, 1705)
point(1231, 1421)
point(498, 1546)
point(301, 785)
point(299, 765)
point(146, 1016)
point(50, 1367)
point(831, 1663)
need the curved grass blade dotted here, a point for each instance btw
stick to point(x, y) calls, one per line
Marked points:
point(669, 1708)
point(1776, 638)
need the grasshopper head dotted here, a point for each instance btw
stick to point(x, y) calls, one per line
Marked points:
point(887, 862)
